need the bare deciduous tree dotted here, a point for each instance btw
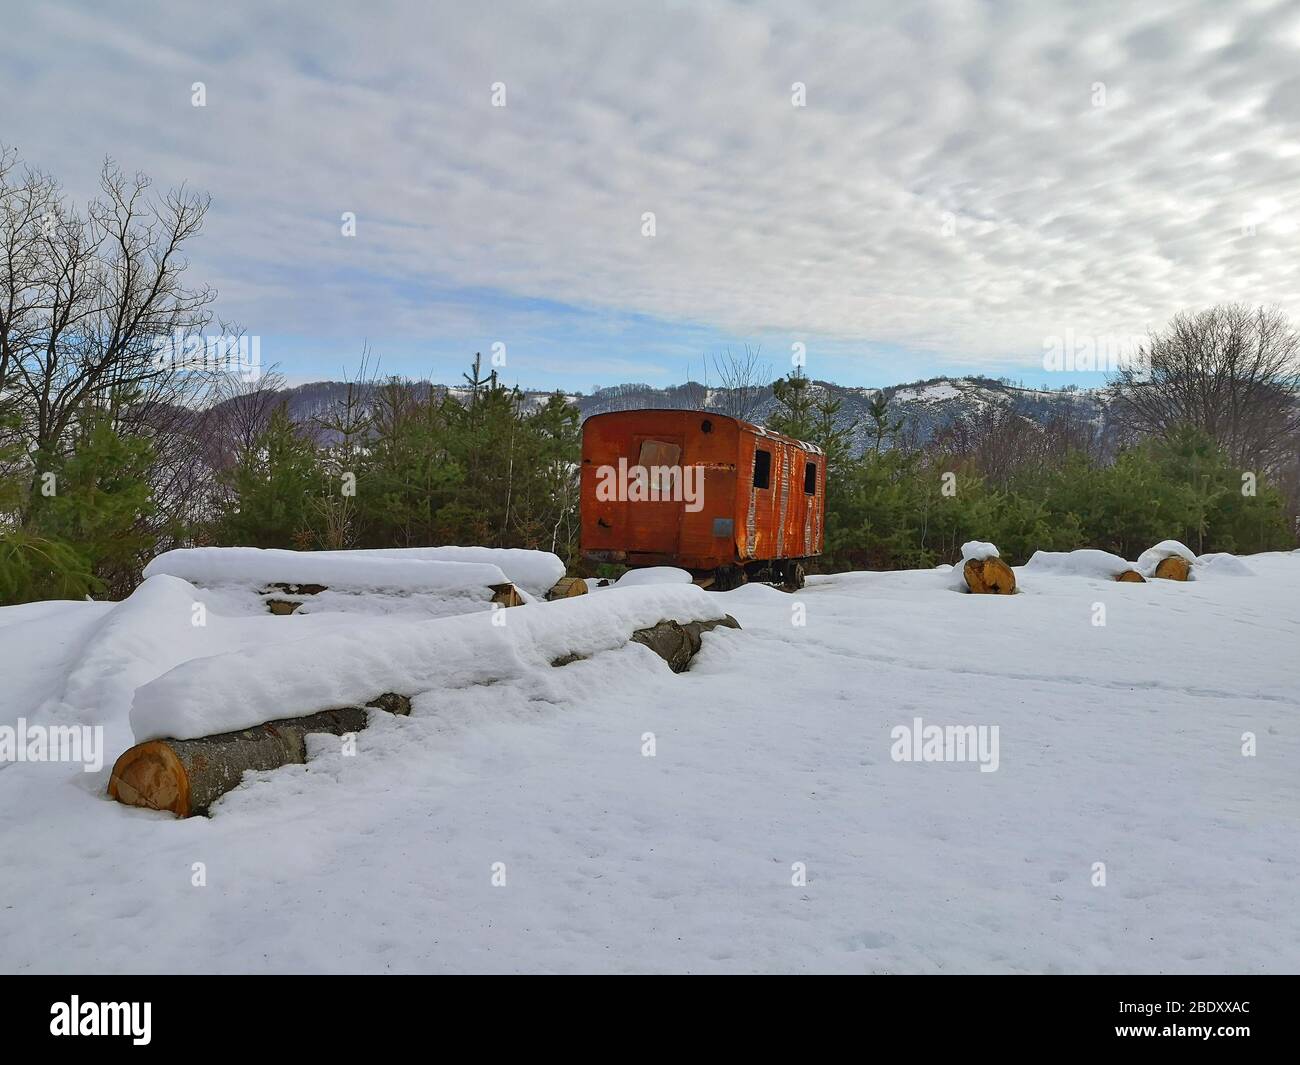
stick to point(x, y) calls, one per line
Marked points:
point(998, 441)
point(342, 429)
point(93, 306)
point(1232, 371)
point(744, 381)
point(241, 410)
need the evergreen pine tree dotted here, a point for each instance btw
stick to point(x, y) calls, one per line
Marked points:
point(276, 485)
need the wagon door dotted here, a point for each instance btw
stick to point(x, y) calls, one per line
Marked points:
point(654, 507)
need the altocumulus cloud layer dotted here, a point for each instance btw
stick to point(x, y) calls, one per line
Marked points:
point(965, 177)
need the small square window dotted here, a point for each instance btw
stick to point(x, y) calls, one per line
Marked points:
point(810, 479)
point(660, 461)
point(762, 468)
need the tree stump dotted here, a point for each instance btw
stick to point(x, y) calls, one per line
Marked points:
point(1131, 576)
point(989, 576)
point(1173, 568)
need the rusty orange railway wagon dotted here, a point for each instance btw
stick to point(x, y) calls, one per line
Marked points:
point(712, 494)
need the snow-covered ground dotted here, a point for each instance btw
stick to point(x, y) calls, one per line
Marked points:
point(1118, 743)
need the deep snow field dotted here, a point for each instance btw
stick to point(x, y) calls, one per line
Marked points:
point(1118, 743)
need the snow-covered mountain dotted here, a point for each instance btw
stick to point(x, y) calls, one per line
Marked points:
point(926, 407)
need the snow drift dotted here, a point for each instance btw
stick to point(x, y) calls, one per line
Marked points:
point(224, 692)
point(352, 570)
point(653, 575)
point(1119, 743)
point(1086, 562)
point(1222, 564)
point(534, 572)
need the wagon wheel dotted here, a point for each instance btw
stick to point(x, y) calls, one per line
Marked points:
point(726, 578)
point(794, 576)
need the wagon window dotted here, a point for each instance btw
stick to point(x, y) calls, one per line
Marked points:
point(762, 468)
point(660, 460)
point(810, 479)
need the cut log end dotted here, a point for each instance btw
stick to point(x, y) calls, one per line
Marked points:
point(567, 588)
point(989, 576)
point(506, 595)
point(1131, 576)
point(151, 775)
point(185, 777)
point(1174, 568)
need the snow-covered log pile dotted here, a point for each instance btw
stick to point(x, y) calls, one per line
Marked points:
point(983, 571)
point(1168, 560)
point(199, 726)
point(1087, 562)
point(533, 572)
point(434, 582)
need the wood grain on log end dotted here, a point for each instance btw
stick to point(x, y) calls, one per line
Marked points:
point(1131, 576)
point(506, 595)
point(151, 775)
point(1174, 568)
point(989, 576)
point(567, 588)
point(186, 777)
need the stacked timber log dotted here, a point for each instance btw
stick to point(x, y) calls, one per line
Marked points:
point(185, 777)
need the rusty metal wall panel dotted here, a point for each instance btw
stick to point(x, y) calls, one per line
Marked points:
point(785, 501)
point(660, 532)
point(751, 514)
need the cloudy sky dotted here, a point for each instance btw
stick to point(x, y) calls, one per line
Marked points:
point(963, 182)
